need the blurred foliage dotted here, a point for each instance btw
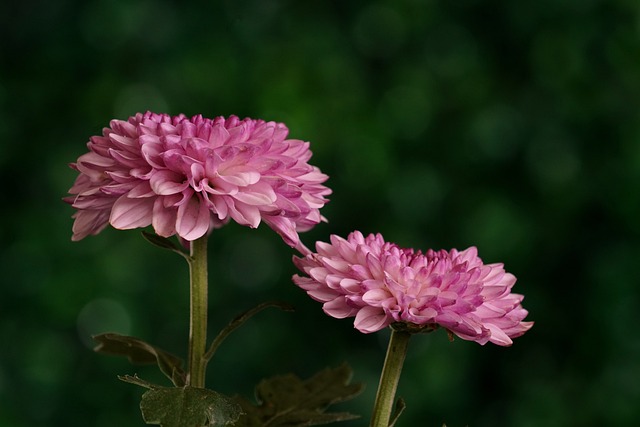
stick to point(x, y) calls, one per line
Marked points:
point(509, 125)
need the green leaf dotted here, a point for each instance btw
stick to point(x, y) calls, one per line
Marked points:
point(141, 353)
point(397, 411)
point(188, 407)
point(286, 400)
point(164, 243)
point(137, 381)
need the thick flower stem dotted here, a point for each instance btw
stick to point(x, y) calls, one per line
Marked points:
point(198, 312)
point(389, 378)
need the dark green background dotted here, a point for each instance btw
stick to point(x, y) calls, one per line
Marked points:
point(509, 125)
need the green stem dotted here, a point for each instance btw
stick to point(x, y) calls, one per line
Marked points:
point(389, 378)
point(198, 313)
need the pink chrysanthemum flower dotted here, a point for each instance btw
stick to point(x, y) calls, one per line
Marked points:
point(381, 284)
point(185, 175)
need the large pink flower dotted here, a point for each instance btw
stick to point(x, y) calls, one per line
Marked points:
point(185, 175)
point(380, 283)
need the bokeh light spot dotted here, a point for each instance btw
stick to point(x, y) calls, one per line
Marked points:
point(553, 164)
point(415, 195)
point(408, 110)
point(253, 262)
point(106, 25)
point(100, 316)
point(497, 130)
point(379, 31)
point(139, 98)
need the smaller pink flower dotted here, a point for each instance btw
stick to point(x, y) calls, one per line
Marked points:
point(380, 283)
point(184, 176)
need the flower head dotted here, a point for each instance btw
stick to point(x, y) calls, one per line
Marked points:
point(380, 283)
point(185, 176)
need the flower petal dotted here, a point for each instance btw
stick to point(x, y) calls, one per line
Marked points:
point(131, 213)
point(243, 169)
point(193, 219)
point(380, 283)
point(339, 308)
point(371, 319)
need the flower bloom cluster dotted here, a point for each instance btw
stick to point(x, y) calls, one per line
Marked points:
point(185, 176)
point(380, 283)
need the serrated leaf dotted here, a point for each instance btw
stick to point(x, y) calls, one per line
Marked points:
point(286, 400)
point(142, 353)
point(188, 407)
point(137, 381)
